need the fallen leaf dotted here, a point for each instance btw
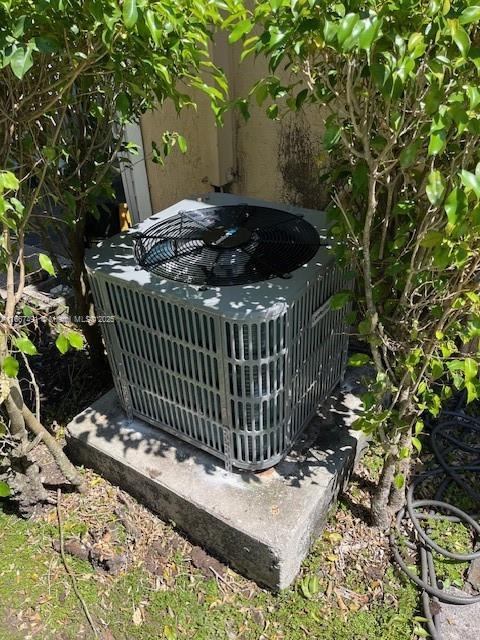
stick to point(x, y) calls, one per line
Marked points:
point(137, 617)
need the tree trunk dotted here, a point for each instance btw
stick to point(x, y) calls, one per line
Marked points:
point(83, 297)
point(381, 515)
point(21, 417)
point(66, 467)
point(13, 405)
point(398, 495)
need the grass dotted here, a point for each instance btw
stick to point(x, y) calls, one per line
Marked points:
point(334, 598)
point(455, 537)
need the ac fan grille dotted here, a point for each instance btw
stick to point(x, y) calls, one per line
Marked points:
point(228, 245)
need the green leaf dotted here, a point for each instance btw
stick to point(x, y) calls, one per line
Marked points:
point(122, 104)
point(27, 311)
point(339, 300)
point(314, 584)
point(169, 632)
point(49, 153)
point(371, 27)
point(436, 367)
point(417, 444)
point(309, 586)
point(21, 61)
point(4, 490)
point(240, 30)
point(414, 39)
point(75, 339)
point(455, 205)
point(470, 369)
point(404, 453)
point(473, 96)
point(399, 480)
point(130, 13)
point(182, 143)
point(153, 27)
point(432, 239)
point(358, 359)
point(365, 326)
point(380, 74)
point(301, 97)
point(272, 111)
point(456, 365)
point(438, 141)
point(360, 177)
point(25, 346)
point(472, 392)
point(460, 37)
point(332, 133)
point(46, 264)
point(470, 14)
point(19, 207)
point(473, 297)
point(10, 366)
point(345, 27)
point(47, 44)
point(62, 343)
point(330, 31)
point(471, 182)
point(261, 92)
point(408, 155)
point(433, 99)
point(19, 28)
point(435, 187)
point(8, 180)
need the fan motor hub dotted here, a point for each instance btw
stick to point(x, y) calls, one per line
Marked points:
point(227, 237)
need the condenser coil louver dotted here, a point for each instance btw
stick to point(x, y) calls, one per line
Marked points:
point(223, 333)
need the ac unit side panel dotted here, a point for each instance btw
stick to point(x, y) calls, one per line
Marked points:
point(318, 348)
point(255, 357)
point(170, 357)
point(108, 330)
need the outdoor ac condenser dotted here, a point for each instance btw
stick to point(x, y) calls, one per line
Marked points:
point(223, 333)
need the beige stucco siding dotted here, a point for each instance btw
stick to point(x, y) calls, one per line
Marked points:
point(180, 175)
point(275, 160)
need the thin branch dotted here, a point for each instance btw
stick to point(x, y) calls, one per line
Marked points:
point(34, 384)
point(67, 568)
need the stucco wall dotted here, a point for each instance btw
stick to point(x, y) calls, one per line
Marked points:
point(275, 160)
point(180, 175)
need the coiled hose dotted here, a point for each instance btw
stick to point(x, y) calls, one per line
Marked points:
point(455, 444)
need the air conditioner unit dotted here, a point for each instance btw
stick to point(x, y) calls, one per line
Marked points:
point(223, 333)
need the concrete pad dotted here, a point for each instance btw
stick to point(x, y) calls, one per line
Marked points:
point(459, 622)
point(262, 524)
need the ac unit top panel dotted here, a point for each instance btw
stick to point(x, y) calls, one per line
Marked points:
point(114, 259)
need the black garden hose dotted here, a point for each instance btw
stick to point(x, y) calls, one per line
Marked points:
point(451, 435)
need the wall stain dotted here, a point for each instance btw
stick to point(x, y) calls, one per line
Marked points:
point(301, 164)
